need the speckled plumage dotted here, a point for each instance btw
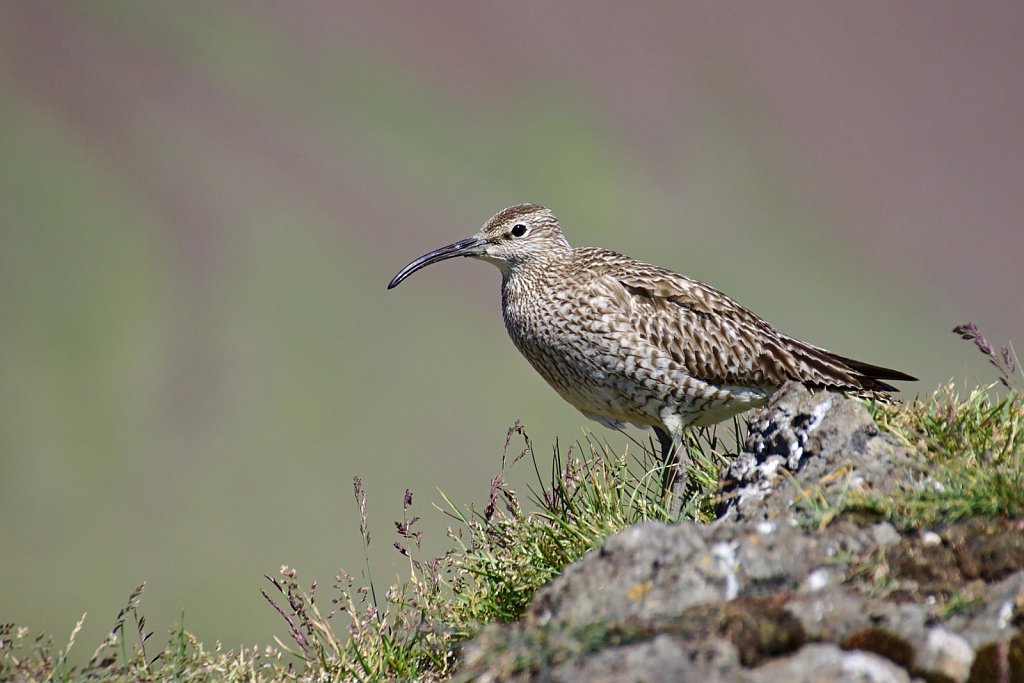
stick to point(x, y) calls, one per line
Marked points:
point(626, 341)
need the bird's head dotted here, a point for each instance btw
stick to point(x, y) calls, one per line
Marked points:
point(512, 237)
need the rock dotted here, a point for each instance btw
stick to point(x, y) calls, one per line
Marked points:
point(944, 653)
point(663, 658)
point(648, 571)
point(764, 595)
point(820, 440)
point(1000, 615)
point(823, 663)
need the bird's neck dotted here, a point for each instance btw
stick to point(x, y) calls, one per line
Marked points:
point(535, 269)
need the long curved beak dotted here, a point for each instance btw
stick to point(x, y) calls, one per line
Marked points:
point(471, 246)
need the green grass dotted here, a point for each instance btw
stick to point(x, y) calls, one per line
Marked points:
point(499, 556)
point(975, 448)
point(973, 444)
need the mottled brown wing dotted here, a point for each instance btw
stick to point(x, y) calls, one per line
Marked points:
point(718, 340)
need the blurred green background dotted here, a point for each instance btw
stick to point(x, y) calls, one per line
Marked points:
point(201, 204)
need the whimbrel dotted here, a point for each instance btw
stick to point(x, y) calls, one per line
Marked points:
point(628, 342)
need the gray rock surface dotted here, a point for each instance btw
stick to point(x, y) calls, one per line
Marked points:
point(826, 663)
point(831, 441)
point(761, 595)
point(648, 571)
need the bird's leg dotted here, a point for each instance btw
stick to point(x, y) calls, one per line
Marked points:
point(674, 477)
point(668, 475)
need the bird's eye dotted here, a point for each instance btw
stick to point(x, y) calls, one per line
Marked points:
point(518, 230)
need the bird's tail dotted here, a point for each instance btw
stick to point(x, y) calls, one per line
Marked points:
point(871, 376)
point(840, 372)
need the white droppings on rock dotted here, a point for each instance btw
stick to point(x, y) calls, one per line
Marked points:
point(1005, 614)
point(930, 538)
point(817, 580)
point(770, 467)
point(725, 556)
point(796, 451)
point(818, 413)
point(766, 527)
point(868, 667)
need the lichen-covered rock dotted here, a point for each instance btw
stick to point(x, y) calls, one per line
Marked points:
point(824, 663)
point(824, 442)
point(761, 595)
point(648, 571)
point(662, 658)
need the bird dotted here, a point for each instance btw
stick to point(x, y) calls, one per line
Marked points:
point(625, 341)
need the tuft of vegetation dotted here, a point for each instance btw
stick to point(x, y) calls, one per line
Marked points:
point(123, 655)
point(974, 445)
point(499, 556)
